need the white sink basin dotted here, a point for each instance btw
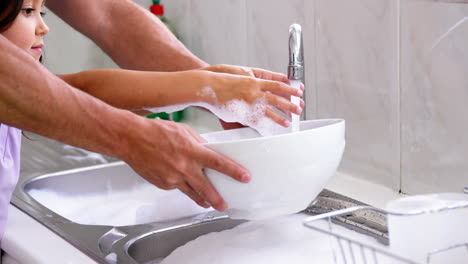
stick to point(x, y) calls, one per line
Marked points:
point(110, 195)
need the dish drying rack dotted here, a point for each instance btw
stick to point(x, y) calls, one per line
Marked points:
point(348, 250)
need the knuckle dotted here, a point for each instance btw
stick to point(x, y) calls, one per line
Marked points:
point(216, 201)
point(173, 181)
point(217, 67)
point(250, 81)
point(278, 86)
point(165, 186)
point(217, 162)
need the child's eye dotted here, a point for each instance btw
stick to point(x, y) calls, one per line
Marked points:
point(27, 11)
point(43, 14)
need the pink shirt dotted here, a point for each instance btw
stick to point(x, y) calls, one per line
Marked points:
point(10, 144)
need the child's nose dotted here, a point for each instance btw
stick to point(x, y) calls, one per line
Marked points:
point(42, 28)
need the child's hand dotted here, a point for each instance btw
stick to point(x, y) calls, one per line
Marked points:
point(250, 72)
point(249, 100)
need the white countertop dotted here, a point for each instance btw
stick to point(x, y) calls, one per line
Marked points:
point(361, 190)
point(28, 241)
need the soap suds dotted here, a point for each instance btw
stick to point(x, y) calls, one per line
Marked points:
point(234, 111)
point(275, 241)
point(111, 258)
point(144, 203)
point(209, 91)
point(247, 70)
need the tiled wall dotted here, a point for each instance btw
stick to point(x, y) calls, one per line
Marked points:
point(68, 51)
point(357, 80)
point(396, 70)
point(434, 95)
point(351, 50)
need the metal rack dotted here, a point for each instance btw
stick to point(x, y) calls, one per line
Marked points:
point(349, 250)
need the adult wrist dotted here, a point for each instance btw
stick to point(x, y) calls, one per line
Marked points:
point(127, 127)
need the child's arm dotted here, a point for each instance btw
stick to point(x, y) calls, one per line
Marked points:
point(135, 90)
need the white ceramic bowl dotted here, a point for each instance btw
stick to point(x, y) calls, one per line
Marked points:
point(288, 170)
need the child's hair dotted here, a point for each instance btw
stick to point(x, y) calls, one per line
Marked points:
point(9, 10)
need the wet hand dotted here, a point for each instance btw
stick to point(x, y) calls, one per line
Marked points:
point(247, 100)
point(251, 72)
point(171, 155)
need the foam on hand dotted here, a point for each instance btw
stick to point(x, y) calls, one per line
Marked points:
point(238, 111)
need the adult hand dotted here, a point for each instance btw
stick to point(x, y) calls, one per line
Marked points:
point(171, 155)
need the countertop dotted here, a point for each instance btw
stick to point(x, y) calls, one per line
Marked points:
point(28, 241)
point(25, 239)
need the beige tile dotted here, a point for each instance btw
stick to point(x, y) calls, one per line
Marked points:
point(434, 86)
point(67, 51)
point(179, 14)
point(218, 31)
point(357, 79)
point(310, 55)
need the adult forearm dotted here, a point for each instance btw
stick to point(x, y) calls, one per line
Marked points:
point(33, 99)
point(143, 42)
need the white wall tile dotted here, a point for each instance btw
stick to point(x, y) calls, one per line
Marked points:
point(68, 51)
point(268, 24)
point(357, 79)
point(219, 31)
point(310, 57)
point(179, 14)
point(434, 96)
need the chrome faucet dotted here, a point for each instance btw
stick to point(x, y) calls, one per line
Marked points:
point(296, 53)
point(296, 57)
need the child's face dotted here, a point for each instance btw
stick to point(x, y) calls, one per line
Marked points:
point(28, 29)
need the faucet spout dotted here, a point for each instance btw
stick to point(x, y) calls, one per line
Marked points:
point(296, 53)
